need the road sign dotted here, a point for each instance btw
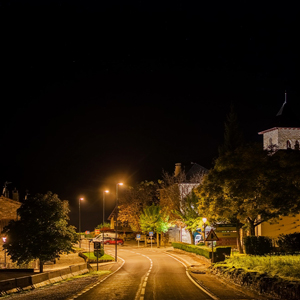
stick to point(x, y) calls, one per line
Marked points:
point(98, 253)
point(97, 245)
point(151, 233)
point(211, 236)
point(138, 236)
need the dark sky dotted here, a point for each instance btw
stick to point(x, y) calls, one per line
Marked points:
point(97, 92)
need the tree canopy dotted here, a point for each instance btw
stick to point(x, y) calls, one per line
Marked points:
point(134, 199)
point(248, 186)
point(42, 231)
point(154, 219)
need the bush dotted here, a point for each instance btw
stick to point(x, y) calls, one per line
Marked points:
point(193, 249)
point(289, 243)
point(257, 245)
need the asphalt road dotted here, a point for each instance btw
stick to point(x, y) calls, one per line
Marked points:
point(145, 274)
point(154, 274)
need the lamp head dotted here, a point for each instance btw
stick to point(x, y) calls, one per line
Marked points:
point(204, 220)
point(107, 191)
point(81, 199)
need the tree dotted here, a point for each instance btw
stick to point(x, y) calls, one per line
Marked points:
point(233, 137)
point(134, 200)
point(189, 214)
point(248, 187)
point(154, 219)
point(42, 232)
point(105, 225)
point(178, 199)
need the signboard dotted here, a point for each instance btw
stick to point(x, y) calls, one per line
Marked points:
point(97, 231)
point(227, 234)
point(151, 233)
point(226, 227)
point(87, 232)
point(211, 236)
point(138, 237)
point(97, 245)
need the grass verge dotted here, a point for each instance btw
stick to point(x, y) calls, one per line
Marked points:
point(285, 266)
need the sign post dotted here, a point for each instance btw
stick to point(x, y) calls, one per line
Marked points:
point(151, 235)
point(138, 237)
point(98, 251)
point(211, 238)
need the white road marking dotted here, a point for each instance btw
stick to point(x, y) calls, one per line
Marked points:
point(189, 276)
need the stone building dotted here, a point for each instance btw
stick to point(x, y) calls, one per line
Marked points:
point(8, 211)
point(281, 138)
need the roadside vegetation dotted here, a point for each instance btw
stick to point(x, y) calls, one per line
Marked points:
point(284, 266)
point(92, 257)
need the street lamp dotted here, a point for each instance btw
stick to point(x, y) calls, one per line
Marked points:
point(79, 228)
point(204, 225)
point(116, 215)
point(103, 214)
point(4, 238)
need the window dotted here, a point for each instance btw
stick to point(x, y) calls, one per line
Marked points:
point(288, 144)
point(297, 145)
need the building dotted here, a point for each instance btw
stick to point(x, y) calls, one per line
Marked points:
point(285, 137)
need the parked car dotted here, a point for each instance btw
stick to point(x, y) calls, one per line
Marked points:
point(99, 238)
point(113, 241)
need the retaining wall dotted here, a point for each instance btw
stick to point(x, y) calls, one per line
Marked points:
point(41, 279)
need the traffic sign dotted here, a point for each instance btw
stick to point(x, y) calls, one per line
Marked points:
point(151, 233)
point(138, 236)
point(97, 245)
point(211, 236)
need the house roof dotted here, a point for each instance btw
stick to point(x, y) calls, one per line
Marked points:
point(195, 170)
point(275, 128)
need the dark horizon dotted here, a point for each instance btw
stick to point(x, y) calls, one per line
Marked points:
point(97, 93)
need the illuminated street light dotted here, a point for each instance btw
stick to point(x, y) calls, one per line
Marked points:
point(4, 239)
point(103, 214)
point(79, 228)
point(116, 214)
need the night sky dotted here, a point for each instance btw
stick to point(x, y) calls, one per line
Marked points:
point(98, 92)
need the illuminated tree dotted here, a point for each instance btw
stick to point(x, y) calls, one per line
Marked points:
point(178, 199)
point(154, 219)
point(134, 200)
point(249, 187)
point(42, 231)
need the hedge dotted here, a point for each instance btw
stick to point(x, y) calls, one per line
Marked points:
point(192, 248)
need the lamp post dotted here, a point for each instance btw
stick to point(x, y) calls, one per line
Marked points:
point(79, 227)
point(4, 238)
point(116, 215)
point(103, 214)
point(204, 225)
